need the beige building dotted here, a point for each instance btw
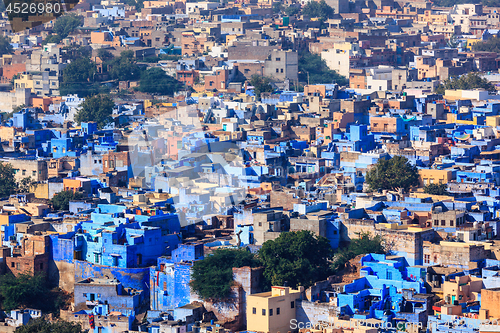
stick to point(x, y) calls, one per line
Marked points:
point(272, 311)
point(434, 176)
point(339, 57)
point(462, 289)
point(24, 168)
point(11, 99)
point(267, 225)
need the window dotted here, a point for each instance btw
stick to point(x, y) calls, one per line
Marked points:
point(254, 311)
point(24, 172)
point(436, 222)
point(263, 312)
point(443, 223)
point(270, 312)
point(427, 258)
point(278, 59)
point(33, 173)
point(451, 223)
point(282, 70)
point(12, 264)
point(277, 70)
point(41, 265)
point(277, 311)
point(292, 304)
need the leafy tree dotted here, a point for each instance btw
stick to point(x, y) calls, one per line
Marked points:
point(98, 108)
point(261, 84)
point(394, 174)
point(491, 45)
point(25, 290)
point(298, 258)
point(174, 57)
point(364, 244)
point(24, 185)
point(5, 47)
point(52, 39)
point(74, 52)
point(318, 70)
point(436, 189)
point(105, 55)
point(138, 4)
point(7, 180)
point(66, 24)
point(278, 7)
point(78, 78)
point(212, 277)
point(61, 200)
point(292, 10)
point(156, 81)
point(471, 80)
point(42, 325)
point(317, 9)
point(124, 67)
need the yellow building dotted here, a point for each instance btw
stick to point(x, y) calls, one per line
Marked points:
point(471, 42)
point(432, 176)
point(493, 121)
point(24, 82)
point(272, 311)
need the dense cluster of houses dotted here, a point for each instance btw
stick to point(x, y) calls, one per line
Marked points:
point(173, 178)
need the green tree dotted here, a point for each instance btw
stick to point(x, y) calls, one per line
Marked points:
point(394, 174)
point(66, 24)
point(25, 184)
point(278, 7)
point(61, 200)
point(261, 84)
point(318, 70)
point(5, 47)
point(138, 4)
point(471, 80)
point(317, 9)
point(25, 290)
point(436, 189)
point(52, 39)
point(42, 325)
point(7, 180)
point(78, 78)
point(104, 54)
point(292, 10)
point(98, 108)
point(490, 45)
point(156, 81)
point(364, 244)
point(74, 52)
point(297, 258)
point(124, 67)
point(212, 277)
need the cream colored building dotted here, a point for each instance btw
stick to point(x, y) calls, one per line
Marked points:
point(272, 311)
point(24, 168)
point(338, 57)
